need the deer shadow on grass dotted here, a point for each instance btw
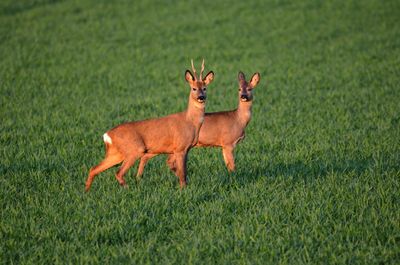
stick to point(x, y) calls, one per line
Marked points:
point(309, 171)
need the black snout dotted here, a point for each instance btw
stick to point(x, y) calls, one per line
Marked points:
point(201, 98)
point(244, 97)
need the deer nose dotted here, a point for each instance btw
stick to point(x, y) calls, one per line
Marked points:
point(201, 98)
point(244, 97)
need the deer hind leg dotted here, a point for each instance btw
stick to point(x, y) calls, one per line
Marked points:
point(227, 152)
point(128, 162)
point(142, 164)
point(180, 172)
point(112, 158)
point(132, 150)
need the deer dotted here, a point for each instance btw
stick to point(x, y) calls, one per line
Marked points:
point(223, 129)
point(174, 134)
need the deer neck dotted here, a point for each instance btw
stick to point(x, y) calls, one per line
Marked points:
point(195, 112)
point(244, 112)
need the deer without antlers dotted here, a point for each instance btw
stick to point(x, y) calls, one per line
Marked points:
point(222, 129)
point(174, 134)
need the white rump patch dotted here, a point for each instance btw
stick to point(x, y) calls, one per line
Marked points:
point(107, 138)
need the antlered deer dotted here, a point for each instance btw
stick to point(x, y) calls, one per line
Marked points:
point(174, 134)
point(222, 129)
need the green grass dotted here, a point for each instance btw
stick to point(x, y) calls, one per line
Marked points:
point(317, 178)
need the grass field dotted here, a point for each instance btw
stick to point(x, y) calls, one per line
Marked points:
point(318, 174)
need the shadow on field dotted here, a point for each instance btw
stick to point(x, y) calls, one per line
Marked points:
point(309, 171)
point(23, 6)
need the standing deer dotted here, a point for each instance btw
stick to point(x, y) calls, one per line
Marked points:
point(222, 129)
point(174, 134)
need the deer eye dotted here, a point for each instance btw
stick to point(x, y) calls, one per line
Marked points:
point(205, 89)
point(249, 89)
point(194, 89)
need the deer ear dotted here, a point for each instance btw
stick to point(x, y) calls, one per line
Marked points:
point(209, 78)
point(188, 76)
point(241, 77)
point(254, 80)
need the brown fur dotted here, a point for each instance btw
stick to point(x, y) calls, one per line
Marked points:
point(223, 129)
point(174, 134)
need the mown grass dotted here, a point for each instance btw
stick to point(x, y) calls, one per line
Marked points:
point(317, 176)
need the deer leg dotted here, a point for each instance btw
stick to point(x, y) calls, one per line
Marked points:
point(171, 162)
point(227, 152)
point(180, 161)
point(110, 160)
point(128, 162)
point(142, 164)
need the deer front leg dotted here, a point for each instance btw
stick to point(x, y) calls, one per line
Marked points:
point(180, 172)
point(227, 152)
point(142, 164)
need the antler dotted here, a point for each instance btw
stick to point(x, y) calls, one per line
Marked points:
point(202, 70)
point(194, 70)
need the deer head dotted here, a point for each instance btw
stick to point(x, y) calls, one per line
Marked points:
point(246, 88)
point(198, 84)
